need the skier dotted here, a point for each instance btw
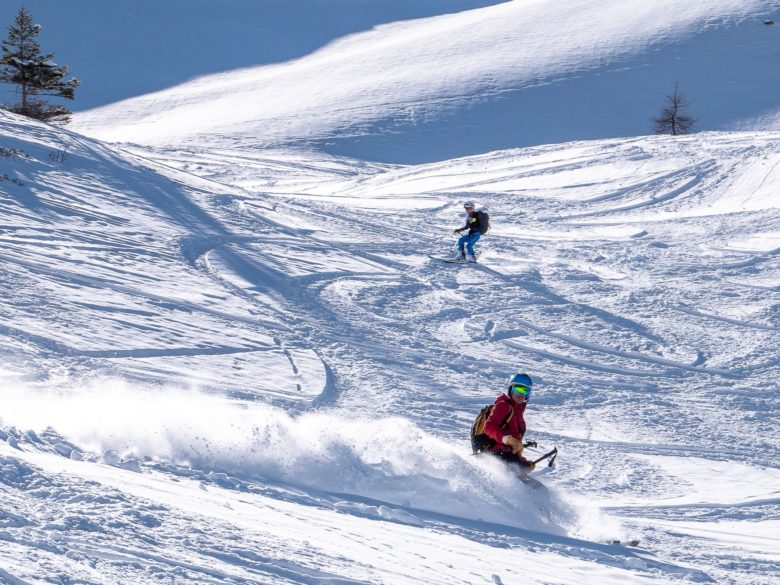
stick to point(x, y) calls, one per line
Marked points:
point(477, 225)
point(506, 425)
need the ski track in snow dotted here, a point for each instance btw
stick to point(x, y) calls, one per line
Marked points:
point(302, 283)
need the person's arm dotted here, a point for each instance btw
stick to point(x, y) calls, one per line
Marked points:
point(494, 423)
point(497, 430)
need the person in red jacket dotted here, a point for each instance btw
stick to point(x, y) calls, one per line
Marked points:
point(506, 425)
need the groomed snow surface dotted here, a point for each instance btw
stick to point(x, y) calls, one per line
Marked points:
point(227, 366)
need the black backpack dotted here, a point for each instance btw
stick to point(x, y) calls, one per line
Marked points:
point(480, 442)
point(484, 222)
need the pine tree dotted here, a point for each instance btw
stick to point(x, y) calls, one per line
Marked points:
point(674, 118)
point(35, 74)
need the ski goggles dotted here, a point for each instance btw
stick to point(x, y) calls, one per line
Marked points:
point(521, 390)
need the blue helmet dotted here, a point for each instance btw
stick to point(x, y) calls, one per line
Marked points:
point(521, 379)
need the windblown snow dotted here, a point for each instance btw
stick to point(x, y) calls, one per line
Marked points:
point(226, 358)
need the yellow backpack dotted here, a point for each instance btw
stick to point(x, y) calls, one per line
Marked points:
point(479, 440)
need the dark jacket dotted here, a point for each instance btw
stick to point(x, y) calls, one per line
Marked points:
point(476, 222)
point(515, 425)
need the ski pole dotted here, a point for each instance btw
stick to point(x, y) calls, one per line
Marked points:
point(552, 455)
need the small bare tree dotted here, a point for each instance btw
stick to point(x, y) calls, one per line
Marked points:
point(674, 118)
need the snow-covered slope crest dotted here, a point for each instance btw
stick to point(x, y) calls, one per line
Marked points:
point(411, 73)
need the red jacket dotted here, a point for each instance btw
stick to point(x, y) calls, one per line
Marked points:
point(515, 425)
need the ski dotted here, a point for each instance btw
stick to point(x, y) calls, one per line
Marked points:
point(632, 542)
point(449, 260)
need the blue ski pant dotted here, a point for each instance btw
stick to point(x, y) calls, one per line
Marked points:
point(468, 240)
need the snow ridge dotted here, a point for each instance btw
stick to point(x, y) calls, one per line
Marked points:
point(456, 78)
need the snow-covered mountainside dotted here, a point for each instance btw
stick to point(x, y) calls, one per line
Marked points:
point(241, 366)
point(497, 75)
point(230, 353)
point(127, 48)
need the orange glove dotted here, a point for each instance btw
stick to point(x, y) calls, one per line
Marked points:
point(515, 443)
point(529, 465)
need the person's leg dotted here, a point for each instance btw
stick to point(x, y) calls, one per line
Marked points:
point(472, 239)
point(513, 461)
point(509, 457)
point(462, 244)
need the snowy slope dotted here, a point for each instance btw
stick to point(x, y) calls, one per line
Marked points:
point(80, 234)
point(127, 48)
point(509, 74)
point(239, 366)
